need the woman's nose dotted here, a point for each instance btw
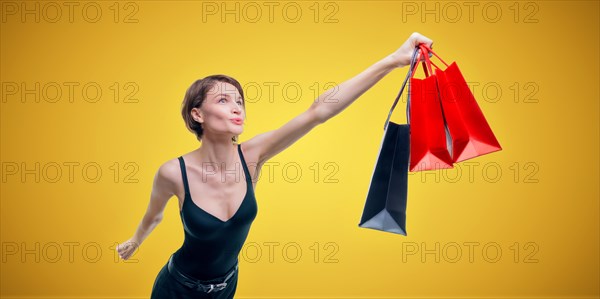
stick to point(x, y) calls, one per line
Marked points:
point(237, 109)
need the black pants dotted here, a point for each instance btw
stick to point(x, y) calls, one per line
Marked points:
point(166, 287)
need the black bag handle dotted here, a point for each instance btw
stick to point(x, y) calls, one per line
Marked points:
point(408, 75)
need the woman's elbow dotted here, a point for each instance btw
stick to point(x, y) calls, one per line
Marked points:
point(152, 220)
point(319, 113)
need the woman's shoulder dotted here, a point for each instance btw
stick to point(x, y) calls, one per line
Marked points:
point(170, 171)
point(250, 150)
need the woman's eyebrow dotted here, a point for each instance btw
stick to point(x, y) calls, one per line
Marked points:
point(226, 95)
point(221, 94)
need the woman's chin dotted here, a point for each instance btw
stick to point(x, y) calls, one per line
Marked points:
point(237, 130)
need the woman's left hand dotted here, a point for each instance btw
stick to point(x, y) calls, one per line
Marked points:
point(402, 56)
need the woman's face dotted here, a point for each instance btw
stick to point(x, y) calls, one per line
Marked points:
point(222, 111)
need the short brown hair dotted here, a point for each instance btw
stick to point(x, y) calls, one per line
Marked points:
point(195, 96)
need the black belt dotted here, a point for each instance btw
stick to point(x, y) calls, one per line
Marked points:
point(198, 284)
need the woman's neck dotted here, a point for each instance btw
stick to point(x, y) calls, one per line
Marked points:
point(220, 154)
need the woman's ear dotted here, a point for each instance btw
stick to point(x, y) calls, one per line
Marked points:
point(197, 115)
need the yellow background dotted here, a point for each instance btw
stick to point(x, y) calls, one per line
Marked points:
point(541, 210)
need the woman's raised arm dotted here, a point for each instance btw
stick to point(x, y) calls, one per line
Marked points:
point(331, 102)
point(350, 90)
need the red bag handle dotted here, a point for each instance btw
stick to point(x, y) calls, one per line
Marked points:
point(431, 51)
point(426, 63)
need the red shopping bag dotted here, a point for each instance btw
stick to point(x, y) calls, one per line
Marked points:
point(429, 140)
point(470, 132)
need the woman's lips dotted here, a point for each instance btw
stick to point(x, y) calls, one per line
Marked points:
point(237, 121)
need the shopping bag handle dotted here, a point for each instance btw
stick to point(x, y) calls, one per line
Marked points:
point(424, 51)
point(416, 64)
point(413, 61)
point(426, 63)
point(428, 49)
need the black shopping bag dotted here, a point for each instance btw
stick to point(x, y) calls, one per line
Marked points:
point(385, 208)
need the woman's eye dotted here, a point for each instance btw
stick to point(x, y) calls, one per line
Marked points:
point(221, 100)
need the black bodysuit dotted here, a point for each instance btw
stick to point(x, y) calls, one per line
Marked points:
point(211, 245)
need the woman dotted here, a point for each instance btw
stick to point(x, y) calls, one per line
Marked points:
point(218, 207)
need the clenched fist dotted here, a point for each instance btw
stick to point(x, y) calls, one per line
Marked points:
point(403, 55)
point(127, 248)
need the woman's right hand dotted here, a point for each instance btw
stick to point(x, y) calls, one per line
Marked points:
point(127, 248)
point(403, 55)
